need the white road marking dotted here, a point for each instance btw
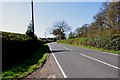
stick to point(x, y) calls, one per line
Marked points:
point(111, 53)
point(68, 49)
point(100, 61)
point(94, 50)
point(65, 47)
point(63, 73)
point(100, 51)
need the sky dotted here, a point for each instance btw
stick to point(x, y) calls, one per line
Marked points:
point(17, 15)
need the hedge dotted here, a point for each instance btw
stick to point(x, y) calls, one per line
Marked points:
point(108, 42)
point(16, 48)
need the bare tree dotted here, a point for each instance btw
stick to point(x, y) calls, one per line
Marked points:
point(59, 29)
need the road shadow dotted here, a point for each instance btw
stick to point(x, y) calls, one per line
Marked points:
point(55, 51)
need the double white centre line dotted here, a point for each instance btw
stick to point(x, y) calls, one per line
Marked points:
point(100, 61)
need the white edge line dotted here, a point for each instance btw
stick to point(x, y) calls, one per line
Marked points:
point(100, 61)
point(63, 73)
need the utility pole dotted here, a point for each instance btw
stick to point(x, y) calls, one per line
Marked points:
point(32, 16)
point(45, 36)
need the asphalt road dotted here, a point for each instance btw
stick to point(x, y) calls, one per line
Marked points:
point(74, 62)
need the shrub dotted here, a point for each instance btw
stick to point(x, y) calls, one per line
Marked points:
point(16, 48)
point(108, 42)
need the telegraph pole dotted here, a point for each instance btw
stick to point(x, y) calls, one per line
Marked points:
point(45, 36)
point(32, 16)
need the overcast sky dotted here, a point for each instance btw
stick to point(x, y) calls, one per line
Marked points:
point(17, 15)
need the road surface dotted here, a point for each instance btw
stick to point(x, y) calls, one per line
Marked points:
point(74, 62)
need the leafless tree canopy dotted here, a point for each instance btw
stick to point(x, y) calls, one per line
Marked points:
point(59, 29)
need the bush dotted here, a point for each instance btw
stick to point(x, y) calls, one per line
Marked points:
point(108, 42)
point(15, 36)
point(16, 48)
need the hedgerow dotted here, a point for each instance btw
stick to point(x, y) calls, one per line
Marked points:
point(16, 48)
point(15, 36)
point(108, 42)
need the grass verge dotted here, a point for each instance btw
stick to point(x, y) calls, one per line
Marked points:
point(28, 66)
point(93, 48)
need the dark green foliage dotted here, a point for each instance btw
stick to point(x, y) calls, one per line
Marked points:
point(30, 64)
point(15, 36)
point(108, 42)
point(71, 35)
point(30, 31)
point(16, 47)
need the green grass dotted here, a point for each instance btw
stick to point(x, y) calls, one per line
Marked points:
point(103, 50)
point(28, 66)
point(15, 36)
point(89, 47)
